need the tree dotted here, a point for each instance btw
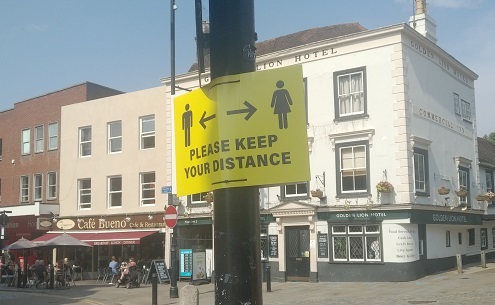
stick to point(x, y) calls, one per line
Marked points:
point(490, 137)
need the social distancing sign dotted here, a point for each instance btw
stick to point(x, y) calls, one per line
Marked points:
point(242, 130)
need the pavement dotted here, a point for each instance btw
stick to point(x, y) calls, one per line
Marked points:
point(473, 286)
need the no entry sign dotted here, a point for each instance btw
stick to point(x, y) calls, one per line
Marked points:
point(171, 216)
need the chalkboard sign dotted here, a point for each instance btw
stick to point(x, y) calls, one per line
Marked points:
point(322, 245)
point(185, 262)
point(273, 244)
point(159, 267)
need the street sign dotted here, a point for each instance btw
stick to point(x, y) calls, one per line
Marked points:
point(242, 130)
point(171, 216)
point(166, 189)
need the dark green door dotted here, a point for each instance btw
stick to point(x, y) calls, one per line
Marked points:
point(297, 253)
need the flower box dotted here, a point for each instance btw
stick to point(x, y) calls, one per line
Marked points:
point(481, 198)
point(384, 187)
point(490, 196)
point(461, 193)
point(317, 193)
point(443, 190)
point(208, 197)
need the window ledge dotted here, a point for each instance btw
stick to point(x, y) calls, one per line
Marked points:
point(351, 117)
point(295, 198)
point(353, 195)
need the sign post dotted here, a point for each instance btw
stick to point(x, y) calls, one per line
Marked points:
point(171, 217)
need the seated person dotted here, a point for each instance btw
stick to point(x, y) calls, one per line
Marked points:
point(126, 271)
point(59, 272)
point(40, 271)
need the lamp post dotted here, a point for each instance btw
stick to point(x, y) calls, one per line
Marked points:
point(173, 7)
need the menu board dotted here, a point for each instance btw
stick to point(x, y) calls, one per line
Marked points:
point(322, 245)
point(198, 263)
point(159, 267)
point(273, 244)
point(185, 262)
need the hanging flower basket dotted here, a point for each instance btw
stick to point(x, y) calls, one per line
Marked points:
point(384, 187)
point(481, 198)
point(208, 197)
point(443, 190)
point(490, 196)
point(317, 193)
point(461, 193)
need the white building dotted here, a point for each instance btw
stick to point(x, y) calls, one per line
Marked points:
point(384, 106)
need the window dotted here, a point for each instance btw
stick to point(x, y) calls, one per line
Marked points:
point(147, 188)
point(356, 243)
point(148, 132)
point(484, 238)
point(352, 165)
point(53, 136)
point(459, 237)
point(199, 199)
point(447, 238)
point(295, 190)
point(493, 237)
point(463, 183)
point(421, 183)
point(115, 137)
point(0, 149)
point(466, 110)
point(471, 236)
point(85, 141)
point(350, 93)
point(115, 191)
point(39, 141)
point(38, 187)
point(52, 186)
point(26, 141)
point(24, 186)
point(84, 194)
point(457, 105)
point(488, 179)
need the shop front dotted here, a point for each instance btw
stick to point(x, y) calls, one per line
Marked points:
point(123, 236)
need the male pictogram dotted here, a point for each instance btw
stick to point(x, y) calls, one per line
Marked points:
point(281, 102)
point(187, 123)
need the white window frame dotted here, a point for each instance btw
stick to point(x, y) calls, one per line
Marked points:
point(147, 187)
point(115, 137)
point(26, 141)
point(83, 194)
point(355, 169)
point(198, 198)
point(463, 184)
point(367, 231)
point(39, 138)
point(37, 187)
point(51, 188)
point(299, 190)
point(457, 104)
point(352, 94)
point(53, 136)
point(114, 194)
point(85, 142)
point(24, 189)
point(466, 110)
point(147, 135)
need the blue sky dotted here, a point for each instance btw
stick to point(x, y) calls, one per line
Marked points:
point(52, 44)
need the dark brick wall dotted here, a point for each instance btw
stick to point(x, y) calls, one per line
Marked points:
point(41, 110)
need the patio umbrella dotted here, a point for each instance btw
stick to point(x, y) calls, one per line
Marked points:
point(64, 240)
point(21, 244)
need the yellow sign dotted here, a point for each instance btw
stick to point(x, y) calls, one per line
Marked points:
point(242, 130)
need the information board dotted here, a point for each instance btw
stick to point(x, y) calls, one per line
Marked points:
point(322, 245)
point(198, 263)
point(159, 267)
point(273, 240)
point(185, 260)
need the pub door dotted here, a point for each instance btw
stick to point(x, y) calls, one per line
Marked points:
point(297, 253)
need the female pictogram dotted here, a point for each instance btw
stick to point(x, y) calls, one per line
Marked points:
point(281, 102)
point(187, 122)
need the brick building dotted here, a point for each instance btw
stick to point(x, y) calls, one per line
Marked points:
point(30, 154)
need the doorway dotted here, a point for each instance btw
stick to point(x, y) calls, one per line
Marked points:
point(297, 253)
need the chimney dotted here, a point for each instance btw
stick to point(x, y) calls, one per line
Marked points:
point(423, 23)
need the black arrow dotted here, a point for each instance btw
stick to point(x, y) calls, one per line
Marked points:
point(204, 119)
point(250, 110)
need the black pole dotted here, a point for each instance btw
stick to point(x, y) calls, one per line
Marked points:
point(237, 226)
point(173, 7)
point(174, 291)
point(52, 276)
point(268, 278)
point(154, 289)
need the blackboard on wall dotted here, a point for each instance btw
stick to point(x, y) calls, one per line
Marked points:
point(273, 244)
point(159, 267)
point(322, 245)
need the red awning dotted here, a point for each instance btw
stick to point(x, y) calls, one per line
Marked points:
point(102, 238)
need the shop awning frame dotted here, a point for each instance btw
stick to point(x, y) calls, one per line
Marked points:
point(103, 237)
